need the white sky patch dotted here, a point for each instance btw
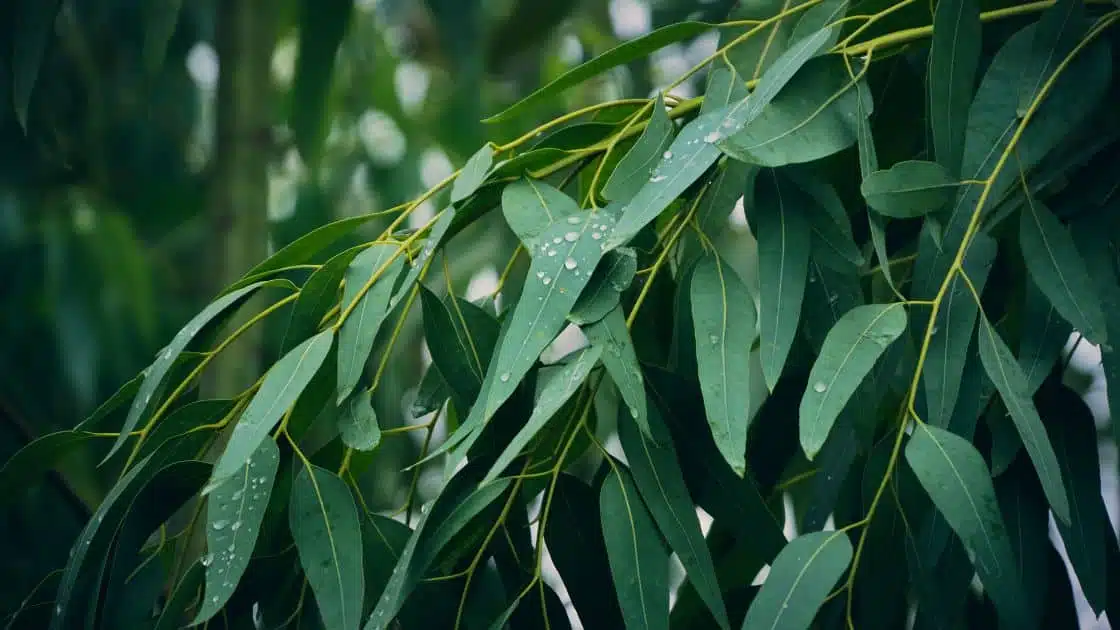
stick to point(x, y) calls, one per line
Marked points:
point(202, 65)
point(630, 18)
point(434, 166)
point(411, 81)
point(422, 214)
point(382, 138)
point(571, 50)
point(482, 284)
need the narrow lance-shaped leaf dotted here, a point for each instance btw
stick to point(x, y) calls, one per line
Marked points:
point(621, 361)
point(436, 235)
point(849, 352)
point(613, 276)
point(22, 469)
point(316, 298)
point(281, 387)
point(1009, 380)
point(35, 22)
point(473, 174)
point(660, 481)
point(626, 52)
point(636, 167)
point(800, 580)
point(833, 243)
point(304, 248)
point(1059, 271)
point(323, 24)
point(909, 189)
point(639, 562)
point(954, 55)
point(783, 237)
point(559, 384)
point(368, 311)
point(1044, 335)
point(953, 473)
point(357, 423)
point(694, 150)
point(531, 207)
point(233, 519)
point(159, 369)
point(723, 319)
point(724, 86)
point(328, 537)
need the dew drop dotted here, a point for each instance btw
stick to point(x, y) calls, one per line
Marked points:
point(596, 235)
point(728, 123)
point(819, 387)
point(58, 609)
point(571, 237)
point(236, 496)
point(656, 178)
point(236, 526)
point(219, 525)
point(504, 377)
point(540, 274)
point(934, 331)
point(546, 281)
point(634, 412)
point(574, 220)
point(552, 253)
point(667, 155)
point(214, 599)
point(570, 264)
point(207, 559)
point(714, 339)
point(557, 240)
point(712, 137)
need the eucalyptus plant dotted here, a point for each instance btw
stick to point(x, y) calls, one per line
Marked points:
point(931, 197)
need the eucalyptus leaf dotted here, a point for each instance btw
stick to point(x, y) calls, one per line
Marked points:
point(1009, 379)
point(723, 318)
point(318, 295)
point(36, 27)
point(377, 267)
point(357, 423)
point(613, 276)
point(800, 580)
point(637, 165)
point(531, 207)
point(279, 390)
point(849, 352)
point(639, 562)
point(23, 468)
point(909, 189)
point(304, 248)
point(473, 174)
point(954, 55)
point(234, 512)
point(621, 362)
point(328, 537)
point(1044, 335)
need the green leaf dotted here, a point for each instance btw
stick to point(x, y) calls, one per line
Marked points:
point(954, 55)
point(473, 174)
point(723, 319)
point(638, 48)
point(369, 310)
point(661, 484)
point(161, 18)
point(557, 385)
point(639, 562)
point(439, 231)
point(613, 276)
point(694, 150)
point(849, 352)
point(909, 189)
point(955, 477)
point(357, 424)
point(302, 249)
point(799, 581)
point(1044, 335)
point(159, 369)
point(234, 512)
point(833, 244)
point(23, 469)
point(947, 352)
point(282, 385)
point(35, 29)
point(322, 25)
point(637, 166)
point(1059, 271)
point(531, 207)
point(724, 86)
point(783, 235)
point(182, 597)
point(621, 361)
point(1011, 383)
point(1086, 534)
point(431, 393)
point(1026, 514)
point(324, 523)
point(461, 338)
point(815, 116)
point(574, 539)
point(317, 297)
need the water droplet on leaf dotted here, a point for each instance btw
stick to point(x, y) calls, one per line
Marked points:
point(570, 264)
point(819, 387)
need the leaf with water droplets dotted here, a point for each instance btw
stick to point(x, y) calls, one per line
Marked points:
point(234, 511)
point(327, 535)
point(461, 338)
point(621, 361)
point(724, 86)
point(849, 352)
point(1057, 268)
point(367, 310)
point(661, 483)
point(282, 385)
point(613, 276)
point(953, 474)
point(1011, 383)
point(909, 189)
point(637, 166)
point(783, 237)
point(159, 369)
point(557, 385)
point(357, 424)
point(639, 562)
point(694, 150)
point(723, 320)
point(531, 207)
point(436, 235)
point(799, 582)
point(317, 297)
point(954, 54)
point(473, 174)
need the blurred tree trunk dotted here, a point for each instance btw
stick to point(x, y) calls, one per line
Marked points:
point(246, 37)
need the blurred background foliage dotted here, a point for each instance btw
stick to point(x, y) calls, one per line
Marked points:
point(110, 163)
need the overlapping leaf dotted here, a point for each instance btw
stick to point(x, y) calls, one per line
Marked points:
point(635, 169)
point(357, 423)
point(367, 311)
point(473, 174)
point(954, 55)
point(799, 581)
point(613, 276)
point(909, 189)
point(639, 562)
point(621, 361)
